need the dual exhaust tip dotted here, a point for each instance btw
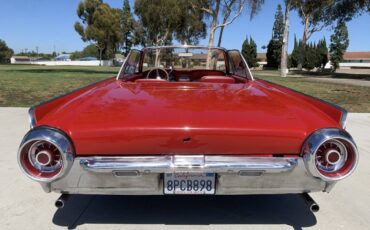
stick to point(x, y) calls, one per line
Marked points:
point(61, 201)
point(312, 205)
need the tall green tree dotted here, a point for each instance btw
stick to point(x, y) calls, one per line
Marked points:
point(100, 25)
point(249, 52)
point(322, 53)
point(294, 56)
point(275, 45)
point(5, 52)
point(273, 54)
point(159, 19)
point(191, 26)
point(339, 42)
point(278, 28)
point(127, 26)
point(314, 19)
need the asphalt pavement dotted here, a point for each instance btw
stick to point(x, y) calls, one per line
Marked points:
point(24, 205)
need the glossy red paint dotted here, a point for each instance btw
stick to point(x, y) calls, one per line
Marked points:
point(116, 117)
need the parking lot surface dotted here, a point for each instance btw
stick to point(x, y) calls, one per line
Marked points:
point(24, 205)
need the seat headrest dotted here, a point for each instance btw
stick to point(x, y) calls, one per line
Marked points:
point(217, 79)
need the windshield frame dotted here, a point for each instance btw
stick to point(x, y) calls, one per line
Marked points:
point(224, 52)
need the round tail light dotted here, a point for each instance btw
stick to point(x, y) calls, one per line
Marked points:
point(45, 154)
point(330, 154)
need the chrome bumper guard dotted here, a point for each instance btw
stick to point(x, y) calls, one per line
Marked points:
point(168, 164)
point(142, 175)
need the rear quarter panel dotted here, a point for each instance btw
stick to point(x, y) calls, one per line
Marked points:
point(336, 112)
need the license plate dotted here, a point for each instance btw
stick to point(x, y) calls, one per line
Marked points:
point(189, 183)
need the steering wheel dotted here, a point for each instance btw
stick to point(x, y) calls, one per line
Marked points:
point(158, 76)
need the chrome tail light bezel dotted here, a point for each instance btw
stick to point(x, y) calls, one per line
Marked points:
point(322, 137)
point(54, 137)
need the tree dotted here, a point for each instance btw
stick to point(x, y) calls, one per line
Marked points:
point(88, 51)
point(278, 28)
point(273, 54)
point(191, 25)
point(158, 26)
point(127, 26)
point(232, 10)
point(314, 19)
point(284, 47)
point(322, 53)
point(100, 25)
point(338, 43)
point(5, 52)
point(294, 56)
point(316, 54)
point(347, 9)
point(160, 21)
point(274, 47)
point(249, 52)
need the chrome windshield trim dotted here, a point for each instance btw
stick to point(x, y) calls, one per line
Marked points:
point(184, 46)
point(186, 163)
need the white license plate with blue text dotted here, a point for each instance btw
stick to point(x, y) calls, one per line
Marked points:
point(189, 183)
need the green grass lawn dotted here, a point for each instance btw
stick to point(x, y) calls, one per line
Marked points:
point(26, 85)
point(352, 98)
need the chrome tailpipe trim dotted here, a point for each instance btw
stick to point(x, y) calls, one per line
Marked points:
point(312, 205)
point(189, 163)
point(61, 201)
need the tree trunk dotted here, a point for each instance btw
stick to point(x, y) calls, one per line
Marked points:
point(222, 29)
point(100, 56)
point(303, 46)
point(212, 32)
point(220, 36)
point(284, 50)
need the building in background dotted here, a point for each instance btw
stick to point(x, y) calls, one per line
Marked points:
point(355, 60)
point(63, 57)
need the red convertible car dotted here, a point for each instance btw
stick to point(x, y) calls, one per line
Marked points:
point(186, 120)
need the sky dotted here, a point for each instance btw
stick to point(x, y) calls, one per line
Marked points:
point(48, 25)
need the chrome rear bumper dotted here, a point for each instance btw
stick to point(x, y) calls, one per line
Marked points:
point(143, 175)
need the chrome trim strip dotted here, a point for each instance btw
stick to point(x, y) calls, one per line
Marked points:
point(31, 117)
point(192, 163)
point(59, 139)
point(343, 119)
point(315, 140)
point(183, 46)
point(245, 62)
point(124, 63)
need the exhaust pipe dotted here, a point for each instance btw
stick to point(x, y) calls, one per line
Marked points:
point(312, 205)
point(61, 201)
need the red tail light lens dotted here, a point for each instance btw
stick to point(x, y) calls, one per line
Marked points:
point(330, 154)
point(334, 158)
point(41, 159)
